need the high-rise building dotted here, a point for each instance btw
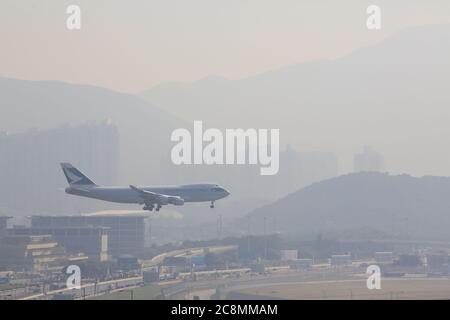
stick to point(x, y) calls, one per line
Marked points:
point(3, 225)
point(30, 176)
point(368, 160)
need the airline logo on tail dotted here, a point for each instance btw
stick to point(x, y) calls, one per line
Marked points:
point(74, 176)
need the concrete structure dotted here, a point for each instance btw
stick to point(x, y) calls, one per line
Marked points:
point(34, 253)
point(288, 255)
point(341, 260)
point(89, 240)
point(303, 264)
point(438, 262)
point(198, 262)
point(150, 275)
point(258, 268)
point(384, 257)
point(126, 233)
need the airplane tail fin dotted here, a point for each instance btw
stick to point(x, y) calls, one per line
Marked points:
point(75, 177)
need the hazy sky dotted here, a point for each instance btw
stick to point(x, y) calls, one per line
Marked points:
point(133, 45)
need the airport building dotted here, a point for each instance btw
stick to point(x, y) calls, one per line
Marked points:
point(34, 254)
point(438, 263)
point(301, 264)
point(125, 233)
point(288, 255)
point(91, 241)
point(341, 260)
point(384, 257)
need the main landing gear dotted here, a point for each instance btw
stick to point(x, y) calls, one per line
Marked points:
point(150, 207)
point(212, 205)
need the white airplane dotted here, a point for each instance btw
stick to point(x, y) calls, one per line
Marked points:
point(150, 197)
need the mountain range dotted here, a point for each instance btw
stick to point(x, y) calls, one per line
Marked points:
point(401, 206)
point(393, 95)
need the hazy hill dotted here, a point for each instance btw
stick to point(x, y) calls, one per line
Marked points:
point(401, 206)
point(393, 95)
point(144, 130)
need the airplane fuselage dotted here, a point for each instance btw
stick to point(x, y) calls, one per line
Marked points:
point(190, 193)
point(150, 197)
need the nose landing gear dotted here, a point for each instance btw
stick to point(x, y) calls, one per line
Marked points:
point(212, 205)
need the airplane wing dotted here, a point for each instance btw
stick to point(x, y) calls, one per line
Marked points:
point(146, 195)
point(157, 198)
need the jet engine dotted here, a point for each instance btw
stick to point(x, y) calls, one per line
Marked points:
point(176, 201)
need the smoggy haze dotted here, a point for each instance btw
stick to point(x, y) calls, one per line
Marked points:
point(131, 46)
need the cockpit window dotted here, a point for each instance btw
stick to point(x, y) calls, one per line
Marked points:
point(218, 189)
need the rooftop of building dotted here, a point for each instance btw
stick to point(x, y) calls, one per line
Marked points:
point(105, 213)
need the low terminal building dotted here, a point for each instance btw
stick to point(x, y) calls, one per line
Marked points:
point(258, 268)
point(384, 257)
point(301, 264)
point(198, 262)
point(150, 275)
point(36, 254)
point(438, 263)
point(341, 260)
point(126, 232)
point(91, 241)
point(288, 255)
point(128, 262)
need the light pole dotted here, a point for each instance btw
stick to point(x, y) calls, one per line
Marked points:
point(265, 239)
point(248, 237)
point(131, 291)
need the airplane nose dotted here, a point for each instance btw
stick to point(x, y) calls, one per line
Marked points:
point(227, 193)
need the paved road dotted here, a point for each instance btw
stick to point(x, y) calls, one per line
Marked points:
point(185, 253)
point(180, 290)
point(90, 289)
